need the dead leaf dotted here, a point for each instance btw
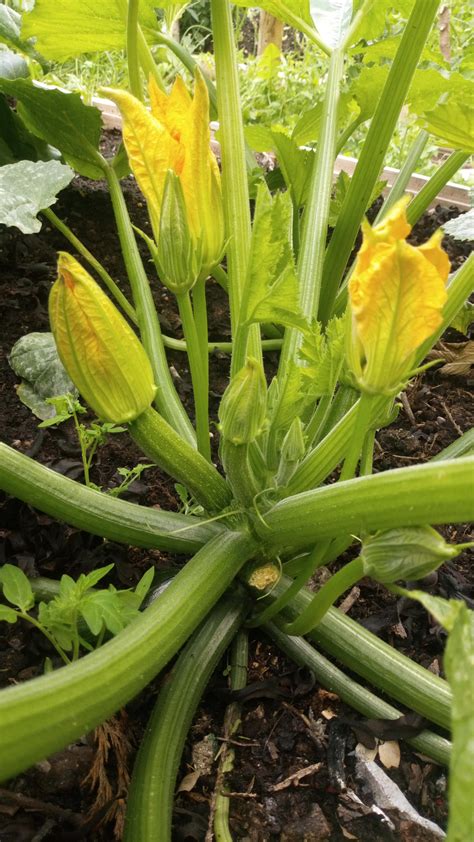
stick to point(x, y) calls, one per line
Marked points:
point(367, 753)
point(189, 782)
point(389, 753)
point(458, 357)
point(328, 713)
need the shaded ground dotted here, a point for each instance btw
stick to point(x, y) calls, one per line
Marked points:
point(292, 727)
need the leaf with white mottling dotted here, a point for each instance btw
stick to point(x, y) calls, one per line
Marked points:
point(462, 227)
point(28, 187)
point(35, 359)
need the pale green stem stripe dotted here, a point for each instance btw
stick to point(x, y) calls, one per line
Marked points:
point(429, 192)
point(374, 150)
point(401, 182)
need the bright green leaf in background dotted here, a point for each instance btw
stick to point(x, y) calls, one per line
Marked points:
point(61, 119)
point(35, 359)
point(374, 20)
point(72, 27)
point(452, 123)
point(294, 12)
point(26, 188)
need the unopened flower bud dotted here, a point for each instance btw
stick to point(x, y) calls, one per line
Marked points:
point(243, 407)
point(406, 553)
point(97, 347)
point(178, 255)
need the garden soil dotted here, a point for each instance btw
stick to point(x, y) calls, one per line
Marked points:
point(294, 773)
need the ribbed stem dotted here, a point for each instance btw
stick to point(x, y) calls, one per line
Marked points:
point(438, 492)
point(429, 192)
point(316, 215)
point(374, 150)
point(45, 714)
point(234, 171)
point(401, 182)
point(238, 468)
point(150, 800)
point(167, 399)
point(352, 693)
point(361, 426)
point(199, 374)
point(132, 49)
point(161, 443)
point(99, 513)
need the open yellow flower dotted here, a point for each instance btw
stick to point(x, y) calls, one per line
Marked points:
point(97, 347)
point(175, 136)
point(397, 293)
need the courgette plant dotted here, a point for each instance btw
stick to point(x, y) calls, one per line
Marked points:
point(350, 336)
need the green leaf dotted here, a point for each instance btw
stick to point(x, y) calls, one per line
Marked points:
point(16, 587)
point(61, 119)
point(459, 666)
point(375, 17)
point(272, 291)
point(309, 125)
point(91, 579)
point(323, 357)
point(12, 66)
point(7, 615)
point(16, 142)
point(10, 29)
point(464, 318)
point(145, 584)
point(452, 123)
point(73, 27)
point(107, 603)
point(462, 227)
point(35, 359)
point(26, 188)
point(332, 19)
point(293, 12)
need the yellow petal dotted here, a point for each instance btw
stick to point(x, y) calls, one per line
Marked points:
point(397, 302)
point(151, 150)
point(99, 350)
point(394, 226)
point(171, 111)
point(434, 253)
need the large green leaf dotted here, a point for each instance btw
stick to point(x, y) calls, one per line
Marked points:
point(375, 19)
point(332, 19)
point(73, 27)
point(35, 359)
point(452, 123)
point(272, 293)
point(309, 125)
point(16, 142)
point(27, 187)
point(61, 119)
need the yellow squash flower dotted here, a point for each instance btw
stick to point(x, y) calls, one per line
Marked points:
point(397, 293)
point(97, 347)
point(175, 136)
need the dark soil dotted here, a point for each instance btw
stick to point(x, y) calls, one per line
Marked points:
point(293, 725)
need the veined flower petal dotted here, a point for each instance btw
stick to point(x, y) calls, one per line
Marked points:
point(397, 294)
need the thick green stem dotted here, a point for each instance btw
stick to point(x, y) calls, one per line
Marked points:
point(161, 443)
point(199, 373)
point(358, 697)
point(202, 327)
point(234, 172)
point(356, 443)
point(327, 595)
point(374, 150)
point(225, 347)
point(153, 783)
point(429, 192)
point(438, 492)
point(316, 215)
point(45, 714)
point(93, 262)
point(132, 49)
point(144, 53)
point(99, 513)
point(167, 400)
